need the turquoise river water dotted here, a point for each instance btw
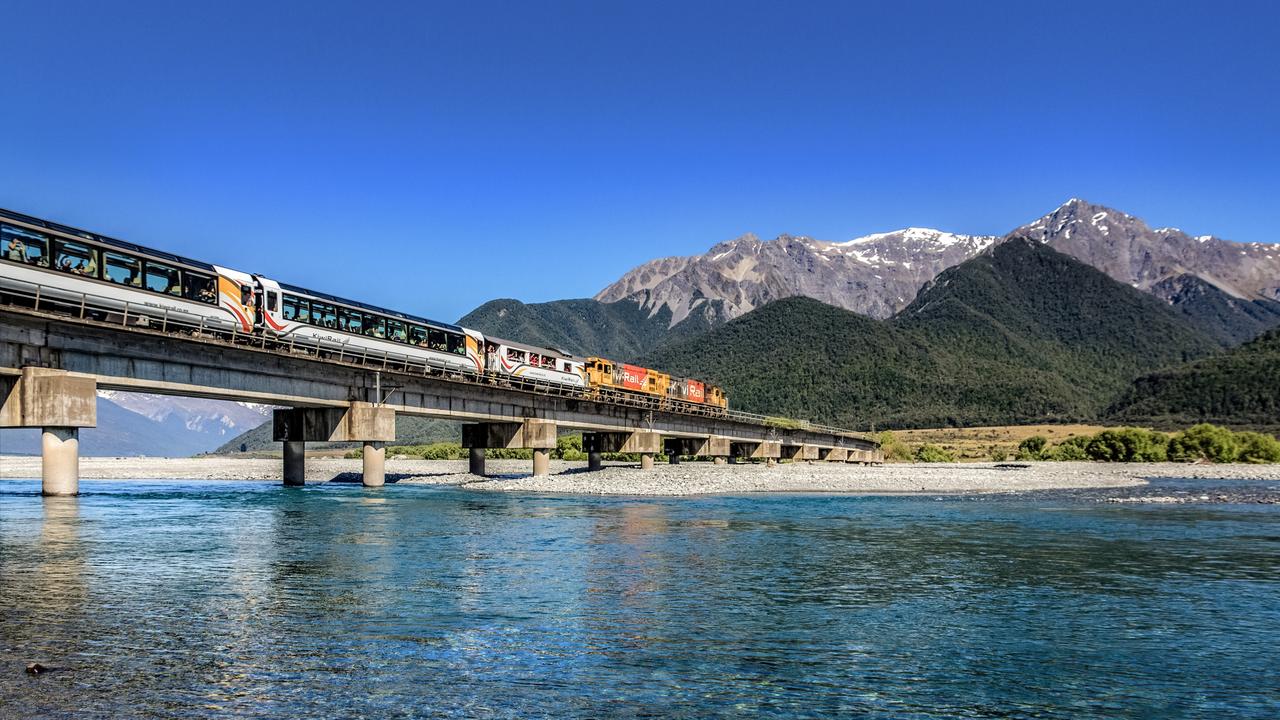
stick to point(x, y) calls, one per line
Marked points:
point(217, 599)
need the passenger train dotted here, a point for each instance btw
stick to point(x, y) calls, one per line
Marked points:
point(130, 281)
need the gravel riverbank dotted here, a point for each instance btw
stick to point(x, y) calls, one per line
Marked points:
point(684, 479)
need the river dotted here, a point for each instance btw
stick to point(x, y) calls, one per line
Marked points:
point(216, 599)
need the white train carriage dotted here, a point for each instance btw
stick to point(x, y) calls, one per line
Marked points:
point(359, 331)
point(108, 277)
point(506, 357)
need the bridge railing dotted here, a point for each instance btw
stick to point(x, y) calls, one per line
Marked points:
point(99, 309)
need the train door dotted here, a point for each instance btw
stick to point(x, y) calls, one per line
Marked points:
point(270, 305)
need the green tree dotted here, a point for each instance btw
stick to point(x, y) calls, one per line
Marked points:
point(1205, 442)
point(1032, 448)
point(1258, 448)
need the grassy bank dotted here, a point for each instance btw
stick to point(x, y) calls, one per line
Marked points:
point(1080, 442)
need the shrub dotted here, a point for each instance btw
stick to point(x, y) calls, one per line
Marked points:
point(1032, 448)
point(1205, 442)
point(1128, 445)
point(1258, 448)
point(1067, 451)
point(569, 447)
point(443, 451)
point(894, 449)
point(932, 453)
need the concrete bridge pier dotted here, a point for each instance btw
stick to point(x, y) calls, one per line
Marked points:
point(645, 442)
point(295, 463)
point(362, 422)
point(833, 454)
point(375, 464)
point(767, 450)
point(476, 464)
point(532, 434)
point(59, 403)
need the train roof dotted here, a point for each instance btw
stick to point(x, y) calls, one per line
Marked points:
point(371, 308)
point(112, 242)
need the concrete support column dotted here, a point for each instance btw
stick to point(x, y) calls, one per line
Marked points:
point(541, 461)
point(594, 461)
point(476, 466)
point(375, 464)
point(295, 463)
point(646, 461)
point(60, 461)
point(720, 460)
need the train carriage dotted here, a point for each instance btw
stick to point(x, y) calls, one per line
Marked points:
point(507, 357)
point(354, 329)
point(107, 276)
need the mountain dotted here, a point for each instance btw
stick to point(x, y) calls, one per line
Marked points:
point(1019, 333)
point(1125, 248)
point(622, 331)
point(1238, 387)
point(874, 275)
point(879, 275)
point(1228, 319)
point(143, 424)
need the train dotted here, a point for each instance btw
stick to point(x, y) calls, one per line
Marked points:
point(70, 266)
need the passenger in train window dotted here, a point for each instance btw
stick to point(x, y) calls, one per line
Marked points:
point(17, 251)
point(457, 345)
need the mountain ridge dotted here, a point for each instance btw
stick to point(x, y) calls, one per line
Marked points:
point(879, 274)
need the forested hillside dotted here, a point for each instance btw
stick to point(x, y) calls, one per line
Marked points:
point(1020, 333)
point(620, 330)
point(1239, 387)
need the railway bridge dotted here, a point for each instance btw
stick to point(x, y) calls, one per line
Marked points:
point(54, 356)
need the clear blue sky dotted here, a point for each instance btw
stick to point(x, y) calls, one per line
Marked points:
point(433, 156)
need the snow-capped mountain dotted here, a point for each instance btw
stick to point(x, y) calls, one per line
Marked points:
point(876, 275)
point(144, 424)
point(880, 274)
point(219, 419)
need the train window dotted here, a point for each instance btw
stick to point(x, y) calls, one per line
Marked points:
point(548, 362)
point(350, 321)
point(272, 298)
point(23, 246)
point(122, 269)
point(436, 340)
point(395, 331)
point(76, 258)
point(289, 309)
point(514, 354)
point(457, 345)
point(246, 295)
point(324, 315)
point(417, 335)
point(201, 288)
point(375, 326)
point(304, 311)
point(163, 279)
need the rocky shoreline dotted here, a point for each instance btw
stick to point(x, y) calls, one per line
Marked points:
point(1116, 482)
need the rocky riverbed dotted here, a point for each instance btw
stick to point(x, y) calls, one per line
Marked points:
point(1089, 481)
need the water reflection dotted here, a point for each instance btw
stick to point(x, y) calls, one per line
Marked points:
point(217, 599)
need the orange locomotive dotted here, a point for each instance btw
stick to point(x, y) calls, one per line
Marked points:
point(605, 373)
